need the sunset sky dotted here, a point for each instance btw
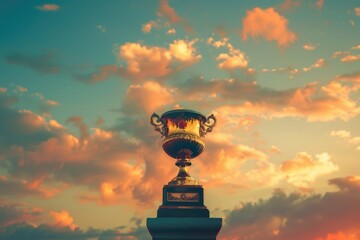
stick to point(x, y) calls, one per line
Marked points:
point(79, 81)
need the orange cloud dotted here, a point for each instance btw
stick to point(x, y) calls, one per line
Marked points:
point(315, 103)
point(269, 24)
point(340, 53)
point(63, 219)
point(45, 157)
point(146, 28)
point(318, 64)
point(234, 59)
point(148, 97)
point(170, 14)
point(340, 236)
point(48, 7)
point(350, 58)
point(319, 4)
point(171, 31)
point(289, 4)
point(13, 213)
point(357, 11)
point(146, 61)
point(231, 60)
point(303, 170)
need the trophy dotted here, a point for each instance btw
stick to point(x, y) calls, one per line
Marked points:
point(183, 132)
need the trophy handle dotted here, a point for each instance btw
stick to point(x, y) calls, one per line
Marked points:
point(208, 125)
point(158, 124)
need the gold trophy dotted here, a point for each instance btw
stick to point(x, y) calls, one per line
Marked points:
point(183, 132)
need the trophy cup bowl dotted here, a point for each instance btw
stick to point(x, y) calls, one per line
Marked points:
point(183, 133)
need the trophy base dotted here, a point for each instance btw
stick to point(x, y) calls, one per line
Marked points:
point(184, 228)
point(183, 201)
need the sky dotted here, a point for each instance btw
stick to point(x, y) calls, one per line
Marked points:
point(79, 81)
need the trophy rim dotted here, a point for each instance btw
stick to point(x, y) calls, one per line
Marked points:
point(177, 111)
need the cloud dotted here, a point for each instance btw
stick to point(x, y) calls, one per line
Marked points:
point(13, 187)
point(21, 89)
point(309, 47)
point(43, 63)
point(269, 24)
point(145, 62)
point(303, 169)
point(357, 11)
point(171, 31)
point(318, 64)
point(231, 60)
point(21, 127)
point(312, 101)
point(11, 213)
point(170, 14)
point(297, 216)
point(346, 136)
point(347, 56)
point(340, 236)
point(350, 58)
point(46, 232)
point(63, 219)
point(41, 157)
point(101, 28)
point(274, 149)
point(148, 97)
point(289, 4)
point(319, 4)
point(222, 163)
point(340, 54)
point(48, 7)
point(300, 172)
point(101, 74)
point(292, 71)
point(147, 27)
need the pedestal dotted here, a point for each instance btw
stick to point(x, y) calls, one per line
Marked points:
point(184, 228)
point(183, 215)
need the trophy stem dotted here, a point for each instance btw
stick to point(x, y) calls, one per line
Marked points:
point(183, 177)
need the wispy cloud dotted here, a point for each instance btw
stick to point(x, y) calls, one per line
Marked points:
point(43, 63)
point(346, 137)
point(309, 46)
point(147, 27)
point(289, 4)
point(101, 28)
point(48, 7)
point(231, 60)
point(170, 14)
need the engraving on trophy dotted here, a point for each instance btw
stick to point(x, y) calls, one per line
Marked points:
point(183, 197)
point(183, 132)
